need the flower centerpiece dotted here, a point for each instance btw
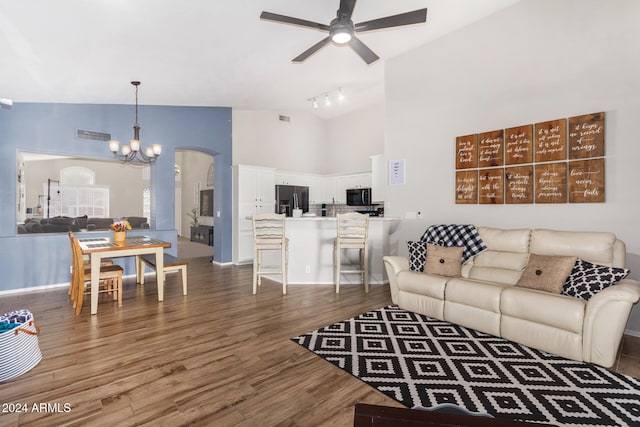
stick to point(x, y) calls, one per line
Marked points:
point(120, 230)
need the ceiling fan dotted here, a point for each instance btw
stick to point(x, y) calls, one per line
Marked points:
point(343, 31)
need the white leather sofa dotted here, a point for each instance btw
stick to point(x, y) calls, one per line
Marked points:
point(485, 299)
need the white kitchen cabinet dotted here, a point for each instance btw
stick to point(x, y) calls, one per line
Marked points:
point(378, 178)
point(316, 189)
point(254, 193)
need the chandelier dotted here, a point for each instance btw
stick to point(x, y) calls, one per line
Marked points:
point(133, 152)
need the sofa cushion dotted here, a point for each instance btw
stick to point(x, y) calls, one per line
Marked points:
point(417, 255)
point(546, 273)
point(557, 311)
point(587, 279)
point(473, 293)
point(504, 260)
point(422, 283)
point(99, 223)
point(82, 221)
point(444, 261)
point(592, 246)
point(137, 221)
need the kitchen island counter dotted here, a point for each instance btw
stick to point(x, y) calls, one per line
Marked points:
point(311, 250)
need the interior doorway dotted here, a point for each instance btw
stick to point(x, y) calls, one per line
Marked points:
point(194, 187)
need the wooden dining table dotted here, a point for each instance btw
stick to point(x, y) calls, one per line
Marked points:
point(103, 247)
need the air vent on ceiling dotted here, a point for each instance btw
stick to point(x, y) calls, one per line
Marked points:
point(284, 118)
point(96, 136)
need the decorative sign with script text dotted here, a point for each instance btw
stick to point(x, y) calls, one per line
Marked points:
point(518, 145)
point(586, 136)
point(551, 183)
point(491, 186)
point(490, 150)
point(467, 152)
point(586, 181)
point(551, 140)
point(518, 184)
point(467, 187)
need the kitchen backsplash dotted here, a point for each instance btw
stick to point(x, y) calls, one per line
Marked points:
point(339, 208)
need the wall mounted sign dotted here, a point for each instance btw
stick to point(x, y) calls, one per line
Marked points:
point(518, 184)
point(586, 181)
point(518, 146)
point(467, 187)
point(586, 136)
point(491, 186)
point(490, 149)
point(551, 140)
point(556, 161)
point(551, 182)
point(467, 152)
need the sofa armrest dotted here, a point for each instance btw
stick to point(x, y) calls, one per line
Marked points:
point(605, 319)
point(394, 265)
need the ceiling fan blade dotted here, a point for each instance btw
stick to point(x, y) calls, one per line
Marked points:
point(268, 16)
point(408, 18)
point(313, 49)
point(346, 8)
point(361, 49)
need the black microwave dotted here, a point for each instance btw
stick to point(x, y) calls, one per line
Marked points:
point(359, 197)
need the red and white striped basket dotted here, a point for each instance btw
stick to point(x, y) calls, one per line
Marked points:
point(19, 349)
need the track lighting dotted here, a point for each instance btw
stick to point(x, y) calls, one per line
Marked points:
point(337, 94)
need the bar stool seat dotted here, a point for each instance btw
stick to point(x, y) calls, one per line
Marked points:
point(269, 235)
point(352, 233)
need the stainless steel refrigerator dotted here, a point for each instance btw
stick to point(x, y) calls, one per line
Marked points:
point(290, 197)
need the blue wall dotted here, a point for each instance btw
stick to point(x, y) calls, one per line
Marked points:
point(44, 259)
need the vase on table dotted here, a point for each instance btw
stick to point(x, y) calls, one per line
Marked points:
point(119, 236)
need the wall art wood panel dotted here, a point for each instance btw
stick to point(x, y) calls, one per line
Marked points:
point(467, 151)
point(551, 141)
point(586, 136)
point(586, 181)
point(518, 145)
point(467, 187)
point(518, 184)
point(491, 186)
point(490, 149)
point(551, 183)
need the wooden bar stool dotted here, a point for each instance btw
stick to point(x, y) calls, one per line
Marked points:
point(269, 235)
point(352, 233)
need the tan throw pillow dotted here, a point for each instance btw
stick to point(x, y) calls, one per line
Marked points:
point(546, 273)
point(444, 261)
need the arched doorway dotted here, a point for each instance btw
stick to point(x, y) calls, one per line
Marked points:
point(194, 207)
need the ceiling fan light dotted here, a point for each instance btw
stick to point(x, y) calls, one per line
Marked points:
point(341, 36)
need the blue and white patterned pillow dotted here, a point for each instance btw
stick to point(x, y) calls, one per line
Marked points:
point(587, 279)
point(417, 255)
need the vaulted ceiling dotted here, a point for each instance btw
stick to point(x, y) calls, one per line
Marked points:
point(206, 52)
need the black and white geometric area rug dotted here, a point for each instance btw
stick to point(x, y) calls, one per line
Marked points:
point(417, 360)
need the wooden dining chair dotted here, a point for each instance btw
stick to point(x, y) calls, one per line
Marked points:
point(110, 277)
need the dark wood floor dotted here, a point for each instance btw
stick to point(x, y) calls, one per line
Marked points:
point(219, 356)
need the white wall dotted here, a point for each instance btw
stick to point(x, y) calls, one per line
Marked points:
point(353, 138)
point(538, 60)
point(261, 139)
point(307, 143)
